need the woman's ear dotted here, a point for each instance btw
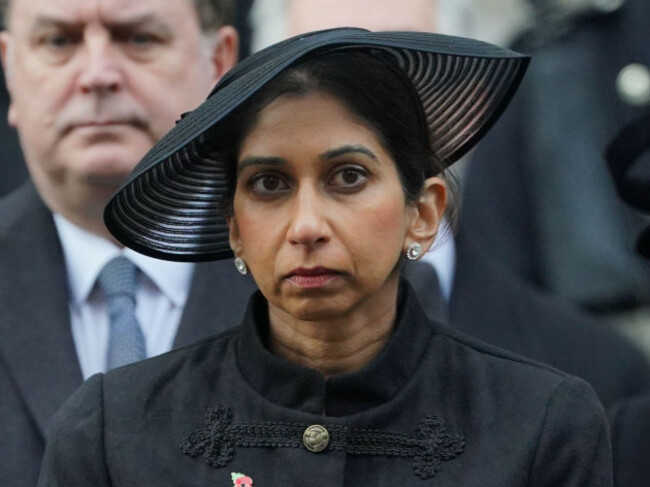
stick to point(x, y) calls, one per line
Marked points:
point(233, 237)
point(429, 210)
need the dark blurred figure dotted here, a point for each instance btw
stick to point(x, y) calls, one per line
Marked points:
point(242, 24)
point(12, 168)
point(551, 213)
point(629, 159)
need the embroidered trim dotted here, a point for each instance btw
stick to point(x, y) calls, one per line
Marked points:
point(216, 443)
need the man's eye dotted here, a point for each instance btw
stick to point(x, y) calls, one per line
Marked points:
point(266, 184)
point(58, 41)
point(136, 39)
point(141, 38)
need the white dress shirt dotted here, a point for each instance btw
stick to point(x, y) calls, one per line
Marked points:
point(162, 292)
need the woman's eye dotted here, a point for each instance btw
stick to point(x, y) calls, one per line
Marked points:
point(266, 184)
point(349, 177)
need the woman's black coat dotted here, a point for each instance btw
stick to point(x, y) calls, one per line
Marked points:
point(435, 407)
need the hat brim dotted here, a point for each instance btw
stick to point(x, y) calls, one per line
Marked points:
point(170, 206)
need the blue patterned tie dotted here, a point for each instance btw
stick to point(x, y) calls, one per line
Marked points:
point(126, 342)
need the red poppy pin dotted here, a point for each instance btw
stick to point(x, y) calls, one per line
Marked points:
point(241, 480)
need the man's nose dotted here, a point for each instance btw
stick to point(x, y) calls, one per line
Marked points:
point(101, 71)
point(309, 224)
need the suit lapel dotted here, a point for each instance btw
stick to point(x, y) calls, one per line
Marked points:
point(217, 301)
point(35, 337)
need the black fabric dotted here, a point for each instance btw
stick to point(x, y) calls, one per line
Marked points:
point(342, 395)
point(628, 157)
point(630, 422)
point(523, 424)
point(39, 369)
point(492, 304)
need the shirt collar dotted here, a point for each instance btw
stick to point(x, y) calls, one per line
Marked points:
point(299, 388)
point(86, 254)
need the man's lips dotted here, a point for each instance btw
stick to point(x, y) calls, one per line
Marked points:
point(313, 277)
point(99, 125)
point(108, 123)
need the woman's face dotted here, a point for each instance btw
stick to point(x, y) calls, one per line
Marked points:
point(319, 212)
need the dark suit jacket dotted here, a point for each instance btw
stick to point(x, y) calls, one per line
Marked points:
point(538, 194)
point(630, 421)
point(494, 305)
point(38, 361)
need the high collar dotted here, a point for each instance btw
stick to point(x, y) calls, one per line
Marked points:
point(307, 390)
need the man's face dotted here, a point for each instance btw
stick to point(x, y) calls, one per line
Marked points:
point(95, 83)
point(412, 15)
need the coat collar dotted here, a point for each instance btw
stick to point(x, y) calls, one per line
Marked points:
point(299, 388)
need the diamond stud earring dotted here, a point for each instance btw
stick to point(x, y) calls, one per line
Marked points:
point(241, 266)
point(414, 251)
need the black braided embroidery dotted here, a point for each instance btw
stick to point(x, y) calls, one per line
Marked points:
point(431, 445)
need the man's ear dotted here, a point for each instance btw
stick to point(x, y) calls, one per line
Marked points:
point(7, 56)
point(429, 210)
point(225, 50)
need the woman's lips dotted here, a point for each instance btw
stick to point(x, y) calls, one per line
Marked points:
point(312, 278)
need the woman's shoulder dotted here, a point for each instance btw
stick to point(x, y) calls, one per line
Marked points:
point(183, 366)
point(477, 357)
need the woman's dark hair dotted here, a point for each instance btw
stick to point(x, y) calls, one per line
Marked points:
point(376, 91)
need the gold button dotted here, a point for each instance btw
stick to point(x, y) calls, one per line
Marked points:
point(316, 438)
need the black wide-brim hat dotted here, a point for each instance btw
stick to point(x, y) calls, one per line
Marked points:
point(628, 157)
point(170, 206)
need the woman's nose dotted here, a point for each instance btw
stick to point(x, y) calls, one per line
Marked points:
point(309, 225)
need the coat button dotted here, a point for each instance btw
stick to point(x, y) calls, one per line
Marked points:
point(633, 84)
point(316, 438)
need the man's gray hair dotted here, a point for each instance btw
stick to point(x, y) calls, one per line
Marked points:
point(212, 14)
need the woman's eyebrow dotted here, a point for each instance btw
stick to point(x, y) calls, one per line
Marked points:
point(347, 149)
point(260, 161)
point(325, 156)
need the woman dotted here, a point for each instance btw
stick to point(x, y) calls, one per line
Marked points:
point(317, 162)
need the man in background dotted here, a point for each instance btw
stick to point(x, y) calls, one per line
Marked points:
point(480, 297)
point(551, 213)
point(93, 85)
